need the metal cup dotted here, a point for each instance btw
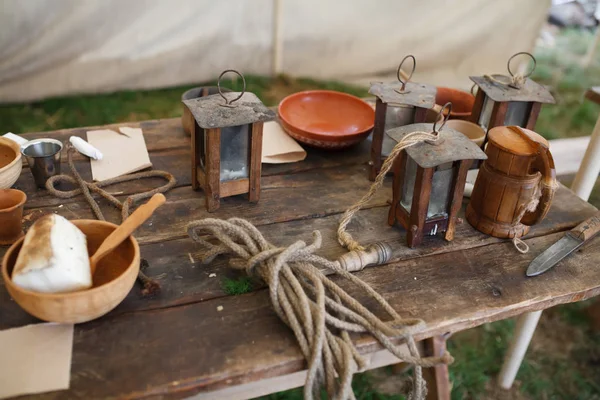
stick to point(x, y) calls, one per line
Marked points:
point(43, 157)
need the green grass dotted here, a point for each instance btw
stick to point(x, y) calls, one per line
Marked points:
point(561, 367)
point(233, 287)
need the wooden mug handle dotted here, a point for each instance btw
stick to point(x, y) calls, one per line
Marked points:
point(544, 163)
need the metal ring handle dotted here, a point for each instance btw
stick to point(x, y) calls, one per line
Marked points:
point(448, 105)
point(473, 87)
point(411, 72)
point(227, 102)
point(518, 54)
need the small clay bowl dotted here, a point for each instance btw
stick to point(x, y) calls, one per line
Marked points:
point(326, 119)
point(10, 162)
point(12, 202)
point(115, 276)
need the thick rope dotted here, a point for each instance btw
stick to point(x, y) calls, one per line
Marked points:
point(531, 206)
point(346, 239)
point(320, 313)
point(517, 80)
point(150, 286)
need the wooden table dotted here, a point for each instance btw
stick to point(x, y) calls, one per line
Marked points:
point(193, 338)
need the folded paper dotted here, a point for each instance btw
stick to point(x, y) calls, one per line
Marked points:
point(278, 147)
point(123, 153)
point(35, 359)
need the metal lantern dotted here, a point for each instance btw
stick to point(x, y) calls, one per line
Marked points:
point(227, 143)
point(429, 181)
point(505, 101)
point(398, 104)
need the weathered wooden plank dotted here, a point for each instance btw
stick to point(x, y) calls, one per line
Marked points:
point(179, 351)
point(300, 196)
point(185, 280)
point(176, 160)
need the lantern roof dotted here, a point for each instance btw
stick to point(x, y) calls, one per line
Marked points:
point(414, 94)
point(497, 88)
point(211, 111)
point(454, 146)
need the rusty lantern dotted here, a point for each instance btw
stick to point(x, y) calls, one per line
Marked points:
point(227, 143)
point(398, 104)
point(509, 100)
point(429, 180)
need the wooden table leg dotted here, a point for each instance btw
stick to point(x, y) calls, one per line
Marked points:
point(438, 379)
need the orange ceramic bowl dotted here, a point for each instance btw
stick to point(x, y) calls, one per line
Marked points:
point(462, 102)
point(326, 119)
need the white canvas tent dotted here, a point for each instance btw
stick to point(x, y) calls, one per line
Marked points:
point(58, 47)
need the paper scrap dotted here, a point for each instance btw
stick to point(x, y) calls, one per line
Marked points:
point(278, 147)
point(35, 359)
point(122, 154)
point(15, 138)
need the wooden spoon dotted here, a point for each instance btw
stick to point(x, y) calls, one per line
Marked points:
point(137, 218)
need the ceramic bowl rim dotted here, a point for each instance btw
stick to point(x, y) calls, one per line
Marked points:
point(19, 204)
point(16, 147)
point(80, 293)
point(320, 135)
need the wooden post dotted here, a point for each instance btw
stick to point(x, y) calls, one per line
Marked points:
point(213, 169)
point(195, 138)
point(420, 204)
point(438, 379)
point(377, 143)
point(277, 23)
point(458, 184)
point(590, 166)
point(524, 331)
point(399, 169)
point(256, 136)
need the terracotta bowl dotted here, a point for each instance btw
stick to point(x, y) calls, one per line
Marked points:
point(462, 102)
point(115, 276)
point(10, 162)
point(326, 119)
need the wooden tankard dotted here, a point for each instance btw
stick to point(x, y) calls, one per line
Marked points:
point(515, 185)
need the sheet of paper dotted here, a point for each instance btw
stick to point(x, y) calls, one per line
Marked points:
point(35, 359)
point(123, 153)
point(278, 147)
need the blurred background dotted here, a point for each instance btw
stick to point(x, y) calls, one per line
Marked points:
point(69, 63)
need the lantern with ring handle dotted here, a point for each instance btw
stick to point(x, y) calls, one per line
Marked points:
point(509, 100)
point(227, 143)
point(398, 104)
point(429, 179)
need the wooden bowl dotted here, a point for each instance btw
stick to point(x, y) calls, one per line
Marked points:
point(115, 276)
point(10, 162)
point(326, 119)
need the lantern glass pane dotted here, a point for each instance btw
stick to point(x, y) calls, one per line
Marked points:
point(440, 191)
point(517, 113)
point(486, 112)
point(441, 184)
point(235, 150)
point(395, 116)
point(408, 187)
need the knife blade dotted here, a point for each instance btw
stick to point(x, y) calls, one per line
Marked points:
point(572, 240)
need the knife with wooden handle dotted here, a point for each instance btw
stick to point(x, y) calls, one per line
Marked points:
point(565, 246)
